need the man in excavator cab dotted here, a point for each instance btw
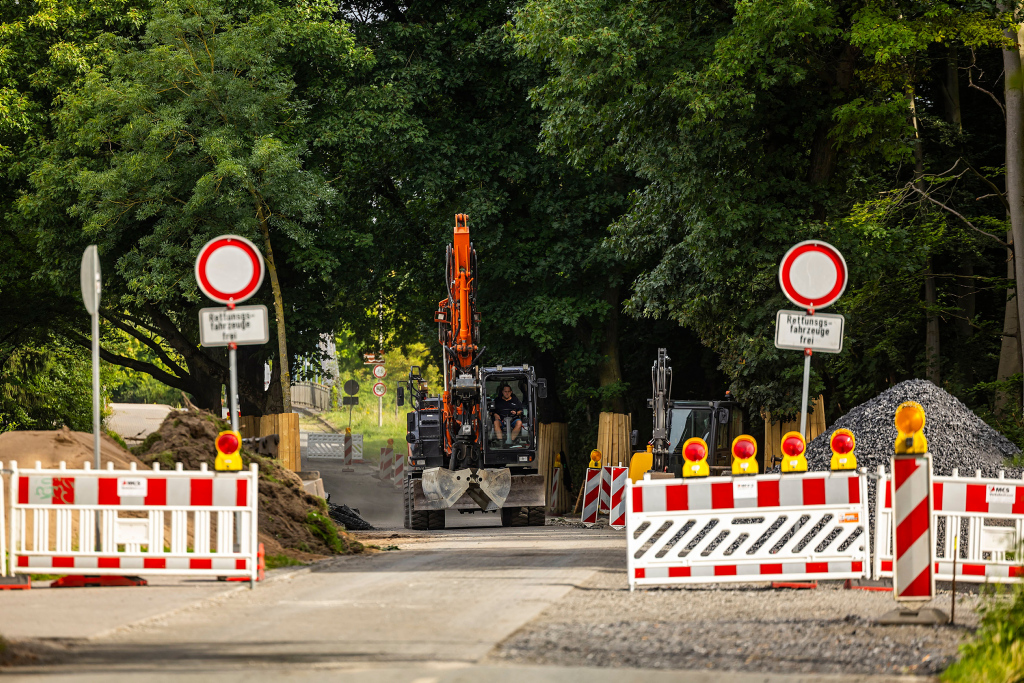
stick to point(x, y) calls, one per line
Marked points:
point(506, 408)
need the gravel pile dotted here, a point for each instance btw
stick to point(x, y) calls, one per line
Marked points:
point(957, 438)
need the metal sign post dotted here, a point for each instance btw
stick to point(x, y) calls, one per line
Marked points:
point(91, 286)
point(351, 388)
point(812, 275)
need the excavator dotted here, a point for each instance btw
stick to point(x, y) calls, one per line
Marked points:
point(717, 422)
point(460, 456)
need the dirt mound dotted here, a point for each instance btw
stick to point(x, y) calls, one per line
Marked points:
point(291, 521)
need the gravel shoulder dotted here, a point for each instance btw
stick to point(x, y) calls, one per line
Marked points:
point(740, 627)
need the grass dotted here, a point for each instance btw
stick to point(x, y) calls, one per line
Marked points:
point(278, 561)
point(996, 653)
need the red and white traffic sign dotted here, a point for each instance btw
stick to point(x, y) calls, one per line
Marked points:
point(379, 389)
point(229, 269)
point(813, 274)
point(379, 371)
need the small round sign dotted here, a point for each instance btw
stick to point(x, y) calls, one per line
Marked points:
point(379, 389)
point(229, 269)
point(351, 387)
point(813, 274)
point(379, 372)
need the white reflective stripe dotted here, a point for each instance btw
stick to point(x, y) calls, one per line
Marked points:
point(86, 490)
point(698, 495)
point(133, 500)
point(37, 561)
point(225, 491)
point(700, 571)
point(954, 497)
point(840, 567)
point(653, 498)
point(223, 564)
point(912, 492)
point(794, 567)
point(748, 569)
point(177, 563)
point(914, 561)
point(791, 491)
point(837, 490)
point(88, 562)
point(132, 562)
point(179, 491)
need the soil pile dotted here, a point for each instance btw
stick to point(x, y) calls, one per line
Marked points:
point(957, 438)
point(291, 521)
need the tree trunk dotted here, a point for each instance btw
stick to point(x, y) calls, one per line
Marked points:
point(950, 87)
point(1009, 351)
point(933, 370)
point(609, 372)
point(282, 341)
point(1013, 90)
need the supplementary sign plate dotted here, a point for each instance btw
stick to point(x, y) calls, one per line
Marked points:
point(821, 332)
point(241, 325)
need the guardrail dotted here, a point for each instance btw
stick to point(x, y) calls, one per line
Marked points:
point(311, 395)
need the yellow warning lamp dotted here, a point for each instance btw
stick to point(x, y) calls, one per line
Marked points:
point(794, 452)
point(641, 463)
point(842, 444)
point(695, 458)
point(910, 425)
point(558, 460)
point(229, 445)
point(744, 455)
point(595, 460)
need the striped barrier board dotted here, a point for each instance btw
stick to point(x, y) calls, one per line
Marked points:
point(591, 494)
point(386, 465)
point(983, 516)
point(606, 488)
point(769, 527)
point(617, 506)
point(189, 527)
point(323, 445)
point(556, 478)
point(398, 466)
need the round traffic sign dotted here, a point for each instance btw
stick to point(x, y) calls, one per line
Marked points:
point(229, 269)
point(351, 387)
point(379, 389)
point(813, 274)
point(379, 372)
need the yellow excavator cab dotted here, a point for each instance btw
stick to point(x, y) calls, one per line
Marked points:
point(641, 463)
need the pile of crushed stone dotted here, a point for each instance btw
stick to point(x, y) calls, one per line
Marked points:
point(957, 438)
point(291, 522)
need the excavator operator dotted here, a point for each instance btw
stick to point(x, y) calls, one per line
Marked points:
point(507, 405)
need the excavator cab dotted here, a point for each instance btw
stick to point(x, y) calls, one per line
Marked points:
point(509, 446)
point(717, 422)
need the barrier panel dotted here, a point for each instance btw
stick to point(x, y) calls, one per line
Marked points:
point(617, 505)
point(323, 445)
point(591, 494)
point(984, 516)
point(168, 522)
point(398, 467)
point(387, 465)
point(743, 529)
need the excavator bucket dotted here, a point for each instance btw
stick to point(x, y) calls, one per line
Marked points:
point(444, 487)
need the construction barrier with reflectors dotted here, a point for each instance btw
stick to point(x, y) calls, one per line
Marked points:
point(752, 528)
point(984, 516)
point(199, 523)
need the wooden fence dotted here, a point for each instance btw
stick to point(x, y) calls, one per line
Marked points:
point(773, 431)
point(286, 426)
point(613, 430)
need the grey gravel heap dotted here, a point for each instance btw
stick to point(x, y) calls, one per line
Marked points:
point(957, 438)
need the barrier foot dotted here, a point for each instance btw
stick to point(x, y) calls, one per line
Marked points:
point(20, 582)
point(927, 616)
point(86, 581)
point(796, 585)
point(348, 469)
point(867, 585)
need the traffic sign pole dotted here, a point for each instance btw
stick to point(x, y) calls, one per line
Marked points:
point(91, 282)
point(807, 387)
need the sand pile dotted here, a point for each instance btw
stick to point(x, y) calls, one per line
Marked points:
point(291, 521)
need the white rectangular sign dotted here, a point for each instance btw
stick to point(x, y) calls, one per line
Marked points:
point(132, 487)
point(821, 332)
point(242, 325)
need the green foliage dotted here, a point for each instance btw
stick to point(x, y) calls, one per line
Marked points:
point(323, 528)
point(996, 652)
point(46, 387)
point(278, 561)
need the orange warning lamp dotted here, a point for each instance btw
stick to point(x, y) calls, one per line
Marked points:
point(910, 425)
point(558, 460)
point(744, 455)
point(595, 460)
point(794, 452)
point(695, 456)
point(842, 444)
point(229, 445)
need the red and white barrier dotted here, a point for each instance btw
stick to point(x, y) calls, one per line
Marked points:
point(606, 488)
point(386, 464)
point(984, 516)
point(398, 466)
point(617, 507)
point(914, 578)
point(347, 462)
point(591, 495)
point(556, 481)
point(761, 528)
point(68, 501)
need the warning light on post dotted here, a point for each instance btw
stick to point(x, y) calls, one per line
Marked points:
point(695, 456)
point(229, 445)
point(910, 425)
point(744, 455)
point(842, 444)
point(794, 452)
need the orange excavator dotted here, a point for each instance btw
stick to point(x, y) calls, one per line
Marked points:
point(473, 447)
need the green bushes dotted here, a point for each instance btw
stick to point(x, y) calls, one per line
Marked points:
point(996, 653)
